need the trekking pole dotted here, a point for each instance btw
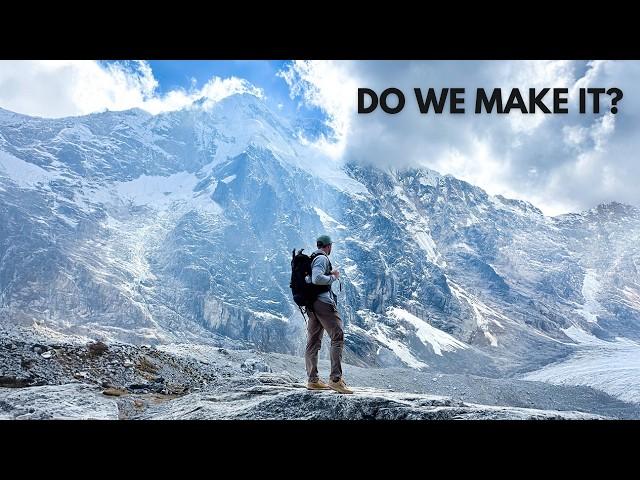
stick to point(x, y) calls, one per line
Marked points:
point(335, 297)
point(302, 313)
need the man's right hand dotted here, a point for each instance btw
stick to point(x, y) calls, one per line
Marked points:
point(336, 274)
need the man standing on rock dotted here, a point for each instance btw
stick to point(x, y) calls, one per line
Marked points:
point(323, 315)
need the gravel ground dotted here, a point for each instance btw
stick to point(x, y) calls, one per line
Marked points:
point(144, 381)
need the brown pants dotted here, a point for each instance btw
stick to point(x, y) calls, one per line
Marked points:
point(324, 316)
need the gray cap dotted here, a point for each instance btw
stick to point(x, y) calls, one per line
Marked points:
point(323, 241)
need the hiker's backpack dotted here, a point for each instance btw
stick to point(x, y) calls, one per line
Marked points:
point(304, 294)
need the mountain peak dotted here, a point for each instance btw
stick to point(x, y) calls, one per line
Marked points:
point(232, 101)
point(615, 208)
point(521, 204)
point(9, 114)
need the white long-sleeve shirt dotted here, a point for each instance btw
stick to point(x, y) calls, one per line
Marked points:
point(320, 276)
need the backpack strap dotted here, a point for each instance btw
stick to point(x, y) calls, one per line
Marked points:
point(317, 254)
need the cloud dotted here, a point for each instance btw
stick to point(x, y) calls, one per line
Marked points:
point(78, 87)
point(329, 86)
point(560, 163)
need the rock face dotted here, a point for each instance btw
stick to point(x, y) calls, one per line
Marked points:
point(97, 348)
point(56, 402)
point(179, 227)
point(251, 365)
point(274, 397)
point(265, 397)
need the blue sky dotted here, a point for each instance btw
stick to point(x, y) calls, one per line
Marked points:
point(173, 74)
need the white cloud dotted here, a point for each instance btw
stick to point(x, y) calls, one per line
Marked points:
point(214, 90)
point(560, 163)
point(78, 87)
point(328, 85)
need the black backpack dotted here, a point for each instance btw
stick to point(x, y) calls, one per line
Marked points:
point(304, 294)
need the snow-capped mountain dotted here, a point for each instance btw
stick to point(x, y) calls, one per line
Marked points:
point(180, 226)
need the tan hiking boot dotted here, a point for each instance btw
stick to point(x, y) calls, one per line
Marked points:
point(339, 386)
point(317, 385)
